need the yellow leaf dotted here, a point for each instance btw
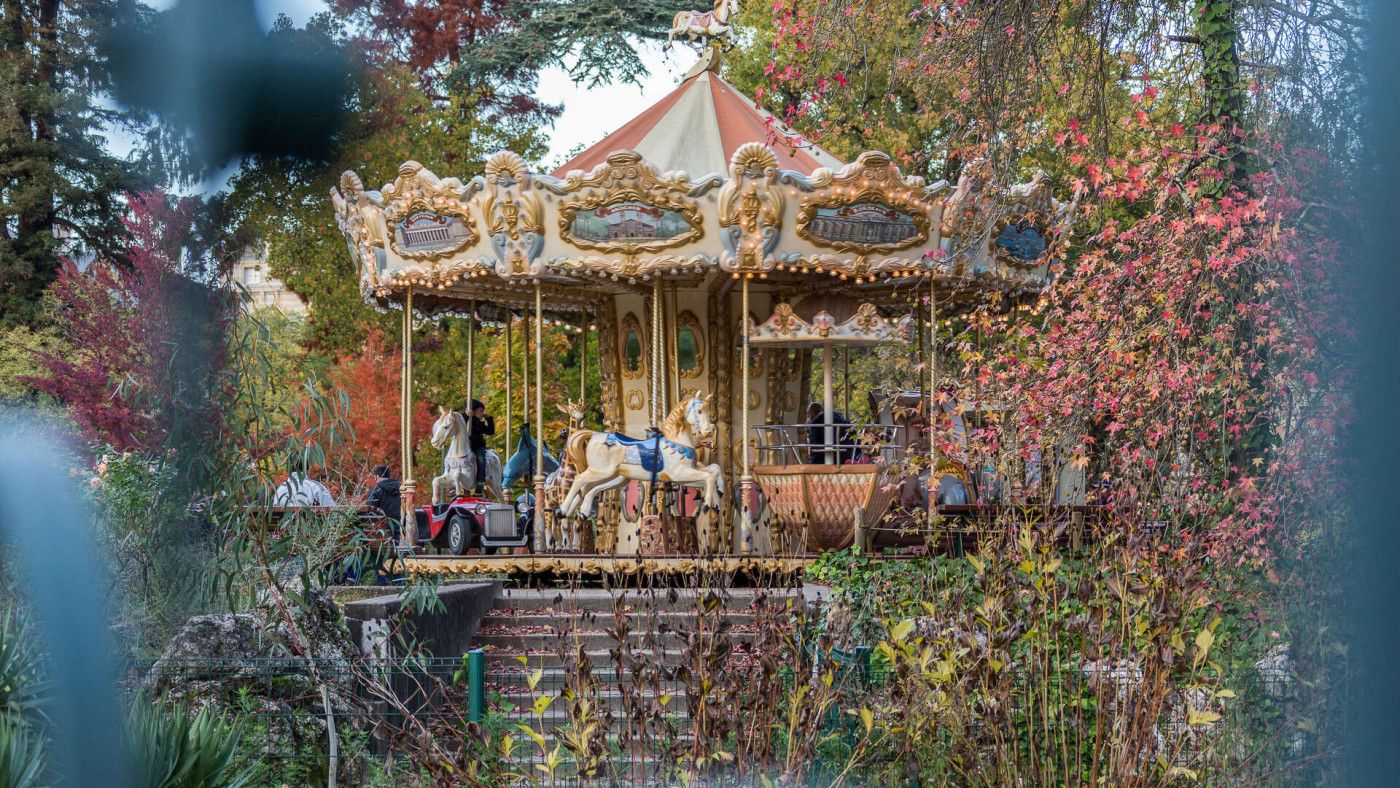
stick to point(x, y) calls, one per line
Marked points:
point(1182, 771)
point(867, 717)
point(902, 630)
point(535, 678)
point(664, 699)
point(1225, 693)
point(1204, 639)
point(1195, 718)
point(978, 565)
point(536, 737)
point(542, 703)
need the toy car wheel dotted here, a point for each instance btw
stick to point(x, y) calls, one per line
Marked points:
point(459, 534)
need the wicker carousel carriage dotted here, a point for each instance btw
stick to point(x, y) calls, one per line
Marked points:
point(718, 257)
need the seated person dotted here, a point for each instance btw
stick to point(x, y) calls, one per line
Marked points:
point(301, 490)
point(481, 426)
point(385, 495)
point(816, 435)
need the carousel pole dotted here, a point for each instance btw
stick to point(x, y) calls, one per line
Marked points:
point(746, 478)
point(828, 416)
point(672, 331)
point(656, 406)
point(539, 420)
point(932, 396)
point(409, 525)
point(471, 366)
point(510, 395)
point(582, 358)
point(525, 370)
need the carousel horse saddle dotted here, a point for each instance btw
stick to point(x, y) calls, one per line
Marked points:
point(646, 452)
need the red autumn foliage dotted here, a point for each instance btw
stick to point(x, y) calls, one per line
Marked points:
point(144, 343)
point(370, 378)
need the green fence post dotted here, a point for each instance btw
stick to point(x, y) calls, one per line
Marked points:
point(476, 683)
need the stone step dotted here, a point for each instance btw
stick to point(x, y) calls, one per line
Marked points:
point(591, 619)
point(606, 600)
point(595, 639)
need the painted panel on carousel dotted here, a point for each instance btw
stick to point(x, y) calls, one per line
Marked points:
point(625, 207)
point(424, 233)
point(1021, 241)
point(869, 222)
point(428, 217)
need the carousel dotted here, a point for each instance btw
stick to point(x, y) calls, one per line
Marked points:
point(718, 260)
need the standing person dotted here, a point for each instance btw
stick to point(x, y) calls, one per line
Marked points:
point(481, 426)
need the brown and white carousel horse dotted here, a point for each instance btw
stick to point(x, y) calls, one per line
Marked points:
point(556, 485)
point(606, 460)
point(458, 462)
point(702, 26)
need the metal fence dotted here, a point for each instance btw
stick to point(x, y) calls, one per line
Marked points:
point(521, 723)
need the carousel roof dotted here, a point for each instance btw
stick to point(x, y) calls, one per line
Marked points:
point(697, 128)
point(703, 186)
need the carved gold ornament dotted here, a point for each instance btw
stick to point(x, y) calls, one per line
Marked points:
point(441, 207)
point(634, 400)
point(514, 214)
point(751, 209)
point(626, 194)
point(870, 184)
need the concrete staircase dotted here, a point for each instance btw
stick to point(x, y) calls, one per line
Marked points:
point(540, 634)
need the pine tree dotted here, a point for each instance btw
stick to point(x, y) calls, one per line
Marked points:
point(60, 189)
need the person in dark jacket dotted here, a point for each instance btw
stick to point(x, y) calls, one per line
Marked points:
point(481, 426)
point(816, 435)
point(385, 495)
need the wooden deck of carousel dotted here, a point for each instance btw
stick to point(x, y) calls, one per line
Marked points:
point(960, 529)
point(585, 564)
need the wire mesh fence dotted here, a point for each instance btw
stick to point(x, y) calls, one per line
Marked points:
point(559, 719)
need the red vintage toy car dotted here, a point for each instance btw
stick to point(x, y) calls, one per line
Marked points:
point(469, 522)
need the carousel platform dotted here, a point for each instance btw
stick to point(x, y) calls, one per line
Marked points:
point(583, 564)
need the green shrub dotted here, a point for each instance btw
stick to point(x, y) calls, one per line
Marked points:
point(173, 746)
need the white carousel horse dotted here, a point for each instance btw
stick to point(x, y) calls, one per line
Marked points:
point(703, 25)
point(608, 459)
point(458, 463)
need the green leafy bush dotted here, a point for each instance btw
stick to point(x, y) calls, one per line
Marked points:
point(175, 746)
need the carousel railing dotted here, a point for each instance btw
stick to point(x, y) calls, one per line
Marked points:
point(791, 444)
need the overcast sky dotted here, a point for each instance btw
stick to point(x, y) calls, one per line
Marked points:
point(588, 116)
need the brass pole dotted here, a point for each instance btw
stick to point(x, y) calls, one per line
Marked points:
point(409, 526)
point(656, 405)
point(746, 478)
point(510, 395)
point(672, 331)
point(471, 366)
point(932, 395)
point(525, 371)
point(582, 359)
point(539, 421)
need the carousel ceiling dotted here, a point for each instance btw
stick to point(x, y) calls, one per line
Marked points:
point(616, 218)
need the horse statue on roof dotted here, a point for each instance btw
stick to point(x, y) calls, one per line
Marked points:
point(458, 462)
point(703, 26)
point(605, 460)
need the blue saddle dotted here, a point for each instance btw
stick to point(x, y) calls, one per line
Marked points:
point(646, 452)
